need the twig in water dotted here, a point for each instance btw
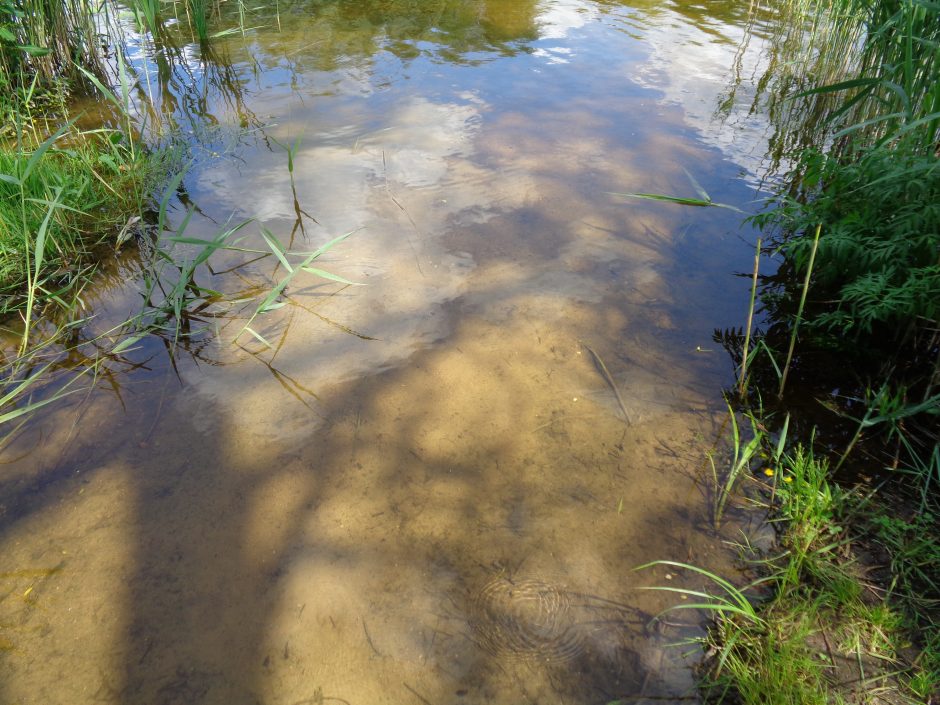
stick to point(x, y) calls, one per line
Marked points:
point(407, 214)
point(417, 694)
point(609, 379)
point(369, 639)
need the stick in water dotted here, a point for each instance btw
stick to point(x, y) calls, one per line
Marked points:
point(609, 379)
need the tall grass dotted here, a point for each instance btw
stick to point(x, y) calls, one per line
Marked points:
point(58, 201)
point(812, 619)
point(840, 73)
point(858, 220)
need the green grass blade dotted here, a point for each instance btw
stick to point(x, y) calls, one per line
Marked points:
point(329, 275)
point(40, 151)
point(277, 249)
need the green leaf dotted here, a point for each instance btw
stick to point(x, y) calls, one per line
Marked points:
point(841, 86)
point(33, 50)
point(277, 249)
point(42, 149)
point(127, 342)
point(697, 202)
point(257, 335)
point(330, 276)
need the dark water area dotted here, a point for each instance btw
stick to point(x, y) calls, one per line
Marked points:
point(425, 490)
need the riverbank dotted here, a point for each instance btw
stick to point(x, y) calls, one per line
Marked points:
point(356, 479)
point(846, 607)
point(843, 609)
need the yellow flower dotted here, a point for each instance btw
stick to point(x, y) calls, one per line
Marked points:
point(788, 479)
point(768, 472)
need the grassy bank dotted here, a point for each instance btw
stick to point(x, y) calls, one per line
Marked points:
point(846, 607)
point(59, 201)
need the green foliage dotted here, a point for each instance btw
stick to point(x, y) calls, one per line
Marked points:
point(743, 454)
point(913, 545)
point(900, 63)
point(812, 508)
point(45, 39)
point(771, 663)
point(782, 649)
point(76, 190)
point(877, 261)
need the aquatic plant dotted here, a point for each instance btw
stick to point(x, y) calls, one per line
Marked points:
point(743, 453)
point(58, 200)
point(730, 600)
point(703, 200)
point(45, 38)
point(746, 350)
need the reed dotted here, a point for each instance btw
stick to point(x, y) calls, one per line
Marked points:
point(743, 453)
point(799, 314)
point(44, 38)
point(58, 201)
point(742, 382)
point(198, 12)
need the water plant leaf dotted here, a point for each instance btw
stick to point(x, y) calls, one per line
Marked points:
point(696, 202)
point(840, 86)
point(34, 50)
point(868, 123)
point(42, 149)
point(732, 601)
point(127, 342)
point(329, 275)
point(277, 249)
point(703, 194)
point(257, 335)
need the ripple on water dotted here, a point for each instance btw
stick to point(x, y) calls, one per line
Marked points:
point(526, 618)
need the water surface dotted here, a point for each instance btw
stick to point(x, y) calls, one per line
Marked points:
point(425, 491)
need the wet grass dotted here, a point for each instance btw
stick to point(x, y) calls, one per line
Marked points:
point(853, 614)
point(825, 621)
point(59, 201)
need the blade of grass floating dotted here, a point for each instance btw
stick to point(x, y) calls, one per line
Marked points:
point(696, 202)
point(703, 194)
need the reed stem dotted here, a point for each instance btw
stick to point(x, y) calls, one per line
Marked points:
point(799, 312)
point(750, 319)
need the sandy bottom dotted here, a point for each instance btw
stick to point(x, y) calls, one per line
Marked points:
point(461, 527)
point(448, 512)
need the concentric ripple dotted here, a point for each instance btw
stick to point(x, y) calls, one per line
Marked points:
point(526, 619)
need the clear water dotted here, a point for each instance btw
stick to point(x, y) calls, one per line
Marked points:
point(426, 491)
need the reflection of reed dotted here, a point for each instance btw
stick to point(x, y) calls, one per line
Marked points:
point(798, 52)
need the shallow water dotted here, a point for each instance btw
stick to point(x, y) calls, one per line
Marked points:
point(426, 491)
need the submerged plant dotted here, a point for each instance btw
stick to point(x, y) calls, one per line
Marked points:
point(743, 453)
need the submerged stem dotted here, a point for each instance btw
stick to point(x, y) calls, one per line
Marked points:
point(799, 312)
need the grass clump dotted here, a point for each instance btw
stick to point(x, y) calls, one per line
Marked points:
point(832, 616)
point(59, 200)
